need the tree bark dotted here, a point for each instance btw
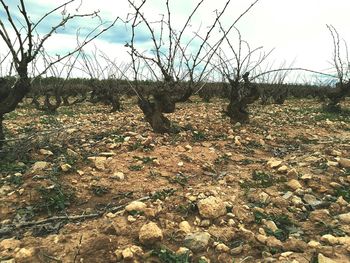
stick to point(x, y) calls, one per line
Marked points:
point(2, 135)
point(154, 116)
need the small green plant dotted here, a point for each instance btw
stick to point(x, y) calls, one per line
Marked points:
point(284, 224)
point(99, 190)
point(54, 198)
point(49, 120)
point(14, 179)
point(135, 146)
point(145, 160)
point(135, 167)
point(333, 230)
point(118, 138)
point(8, 167)
point(253, 144)
point(180, 179)
point(187, 208)
point(165, 255)
point(223, 159)
point(67, 111)
point(198, 136)
point(161, 195)
point(261, 180)
point(246, 161)
point(343, 191)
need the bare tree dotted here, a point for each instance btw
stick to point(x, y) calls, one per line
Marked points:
point(20, 35)
point(105, 77)
point(237, 68)
point(179, 66)
point(341, 64)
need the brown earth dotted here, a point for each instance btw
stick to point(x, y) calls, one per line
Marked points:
point(249, 169)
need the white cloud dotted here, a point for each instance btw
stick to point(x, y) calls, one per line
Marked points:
point(296, 29)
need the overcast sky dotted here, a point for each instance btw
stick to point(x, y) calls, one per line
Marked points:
point(296, 29)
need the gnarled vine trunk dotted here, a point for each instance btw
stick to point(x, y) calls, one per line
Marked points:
point(10, 97)
point(241, 95)
point(337, 95)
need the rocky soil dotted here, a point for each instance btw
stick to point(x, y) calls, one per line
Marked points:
point(87, 185)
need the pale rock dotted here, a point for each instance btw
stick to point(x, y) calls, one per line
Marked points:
point(197, 241)
point(119, 254)
point(180, 164)
point(330, 239)
point(273, 163)
point(344, 162)
point(237, 250)
point(323, 259)
point(9, 244)
point(292, 173)
point(287, 195)
point(319, 215)
point(80, 172)
point(271, 225)
point(261, 238)
point(314, 244)
point(335, 185)
point(341, 201)
point(271, 241)
point(264, 197)
point(136, 206)
point(269, 137)
point(182, 251)
point(211, 207)
point(296, 200)
point(136, 250)
point(231, 222)
point(72, 153)
point(185, 227)
point(294, 184)
point(12, 260)
point(45, 152)
point(238, 141)
point(205, 223)
point(25, 253)
point(311, 200)
point(283, 169)
point(66, 167)
point(203, 259)
point(332, 163)
point(287, 254)
point(306, 177)
point(71, 130)
point(150, 233)
point(222, 248)
point(345, 218)
point(131, 219)
point(188, 147)
point(127, 254)
point(111, 215)
point(119, 176)
point(336, 153)
point(39, 166)
point(4, 190)
point(99, 162)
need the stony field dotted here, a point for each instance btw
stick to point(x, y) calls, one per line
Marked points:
point(86, 185)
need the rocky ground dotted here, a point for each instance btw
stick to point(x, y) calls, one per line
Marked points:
point(86, 185)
